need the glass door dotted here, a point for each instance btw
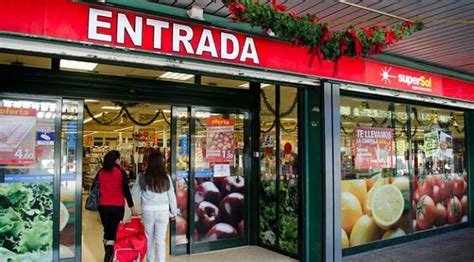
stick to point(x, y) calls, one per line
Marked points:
point(28, 178)
point(209, 165)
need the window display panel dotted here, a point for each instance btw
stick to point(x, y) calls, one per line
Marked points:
point(288, 189)
point(267, 189)
point(27, 130)
point(375, 186)
point(440, 184)
point(401, 173)
point(181, 116)
point(218, 143)
point(69, 172)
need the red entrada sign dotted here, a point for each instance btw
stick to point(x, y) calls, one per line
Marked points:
point(84, 23)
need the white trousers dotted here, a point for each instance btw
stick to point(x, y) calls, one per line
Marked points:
point(156, 224)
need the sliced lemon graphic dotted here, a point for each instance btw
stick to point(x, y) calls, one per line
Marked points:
point(387, 206)
point(370, 196)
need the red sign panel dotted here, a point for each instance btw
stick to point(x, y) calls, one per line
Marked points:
point(373, 148)
point(220, 140)
point(78, 22)
point(17, 136)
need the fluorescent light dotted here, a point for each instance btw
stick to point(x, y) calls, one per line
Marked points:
point(90, 118)
point(121, 129)
point(176, 76)
point(111, 107)
point(78, 65)
point(247, 85)
point(91, 101)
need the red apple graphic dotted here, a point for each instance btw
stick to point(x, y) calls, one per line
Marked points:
point(181, 225)
point(232, 208)
point(231, 184)
point(241, 228)
point(182, 198)
point(207, 191)
point(207, 215)
point(221, 231)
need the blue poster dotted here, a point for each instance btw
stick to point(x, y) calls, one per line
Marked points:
point(44, 138)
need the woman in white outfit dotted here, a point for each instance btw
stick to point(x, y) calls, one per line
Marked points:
point(158, 204)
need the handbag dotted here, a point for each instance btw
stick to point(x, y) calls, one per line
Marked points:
point(92, 201)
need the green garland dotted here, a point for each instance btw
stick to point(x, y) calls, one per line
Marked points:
point(309, 32)
point(124, 109)
point(273, 111)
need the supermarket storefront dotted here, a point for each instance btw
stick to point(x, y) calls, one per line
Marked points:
point(348, 157)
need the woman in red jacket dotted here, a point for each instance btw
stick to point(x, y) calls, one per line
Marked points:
point(113, 189)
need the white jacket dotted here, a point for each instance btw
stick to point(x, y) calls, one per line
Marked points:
point(156, 202)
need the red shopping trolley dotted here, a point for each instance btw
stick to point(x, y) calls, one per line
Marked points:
point(130, 243)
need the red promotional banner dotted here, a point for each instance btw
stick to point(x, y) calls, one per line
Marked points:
point(373, 148)
point(220, 140)
point(94, 24)
point(17, 136)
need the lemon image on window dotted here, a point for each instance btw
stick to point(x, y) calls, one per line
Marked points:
point(357, 187)
point(351, 210)
point(393, 233)
point(344, 239)
point(370, 196)
point(365, 230)
point(387, 206)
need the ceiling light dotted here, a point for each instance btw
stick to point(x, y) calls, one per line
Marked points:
point(122, 129)
point(78, 65)
point(176, 76)
point(247, 85)
point(90, 118)
point(111, 107)
point(91, 101)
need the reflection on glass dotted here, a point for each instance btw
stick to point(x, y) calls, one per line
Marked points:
point(288, 190)
point(181, 117)
point(26, 179)
point(67, 206)
point(268, 140)
point(219, 181)
point(383, 194)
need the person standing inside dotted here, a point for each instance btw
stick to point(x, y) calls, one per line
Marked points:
point(158, 204)
point(113, 190)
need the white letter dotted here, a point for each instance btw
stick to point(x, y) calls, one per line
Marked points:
point(124, 25)
point(249, 51)
point(225, 50)
point(158, 26)
point(210, 47)
point(178, 38)
point(94, 24)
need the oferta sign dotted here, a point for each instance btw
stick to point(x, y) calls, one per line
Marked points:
point(401, 78)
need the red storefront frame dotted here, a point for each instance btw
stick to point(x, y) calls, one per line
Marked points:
point(77, 22)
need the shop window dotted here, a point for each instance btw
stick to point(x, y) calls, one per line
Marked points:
point(403, 170)
point(279, 194)
point(224, 82)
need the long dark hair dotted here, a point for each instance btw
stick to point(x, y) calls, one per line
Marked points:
point(155, 178)
point(109, 160)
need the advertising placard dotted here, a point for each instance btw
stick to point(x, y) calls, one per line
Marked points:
point(220, 140)
point(373, 148)
point(431, 143)
point(17, 136)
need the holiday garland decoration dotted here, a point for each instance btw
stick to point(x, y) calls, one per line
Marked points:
point(308, 31)
point(124, 109)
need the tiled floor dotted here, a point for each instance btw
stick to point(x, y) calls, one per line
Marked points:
point(457, 246)
point(92, 249)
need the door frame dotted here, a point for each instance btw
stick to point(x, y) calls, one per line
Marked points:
point(192, 247)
